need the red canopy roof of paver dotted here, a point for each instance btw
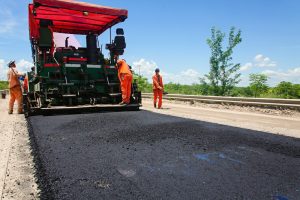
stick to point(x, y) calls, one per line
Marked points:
point(69, 16)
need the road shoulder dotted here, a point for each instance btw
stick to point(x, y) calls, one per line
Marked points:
point(17, 172)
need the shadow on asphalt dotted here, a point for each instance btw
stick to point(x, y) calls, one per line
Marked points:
point(146, 155)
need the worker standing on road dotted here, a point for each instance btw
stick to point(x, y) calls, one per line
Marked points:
point(14, 88)
point(158, 88)
point(125, 77)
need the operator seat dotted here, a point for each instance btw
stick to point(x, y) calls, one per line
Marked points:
point(119, 44)
point(46, 34)
point(120, 39)
point(46, 38)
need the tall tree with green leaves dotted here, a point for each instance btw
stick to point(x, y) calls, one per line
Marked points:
point(286, 90)
point(258, 84)
point(223, 75)
point(297, 89)
point(143, 83)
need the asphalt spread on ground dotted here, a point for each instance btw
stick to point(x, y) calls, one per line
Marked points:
point(146, 155)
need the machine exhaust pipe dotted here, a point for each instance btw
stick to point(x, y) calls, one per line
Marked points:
point(91, 44)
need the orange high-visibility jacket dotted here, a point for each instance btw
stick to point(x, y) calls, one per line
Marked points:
point(123, 68)
point(25, 84)
point(12, 77)
point(157, 81)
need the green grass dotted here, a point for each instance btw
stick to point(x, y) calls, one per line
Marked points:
point(3, 85)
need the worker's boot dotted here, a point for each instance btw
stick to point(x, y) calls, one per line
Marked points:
point(154, 105)
point(10, 112)
point(20, 111)
point(122, 103)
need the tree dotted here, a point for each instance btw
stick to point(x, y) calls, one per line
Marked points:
point(297, 89)
point(143, 83)
point(241, 92)
point(223, 74)
point(258, 83)
point(286, 90)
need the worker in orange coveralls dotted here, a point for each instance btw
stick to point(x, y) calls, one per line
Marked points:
point(25, 84)
point(26, 81)
point(158, 88)
point(14, 88)
point(125, 77)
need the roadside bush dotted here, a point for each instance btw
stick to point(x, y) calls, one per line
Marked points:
point(3, 85)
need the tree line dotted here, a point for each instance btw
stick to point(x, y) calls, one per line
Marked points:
point(257, 88)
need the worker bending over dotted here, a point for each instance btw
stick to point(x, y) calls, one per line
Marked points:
point(14, 88)
point(125, 77)
point(158, 88)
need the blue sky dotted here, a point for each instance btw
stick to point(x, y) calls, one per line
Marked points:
point(172, 35)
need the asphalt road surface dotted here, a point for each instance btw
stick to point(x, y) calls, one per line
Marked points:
point(269, 121)
point(148, 155)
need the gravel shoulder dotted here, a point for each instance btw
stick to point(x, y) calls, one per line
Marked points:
point(282, 122)
point(17, 171)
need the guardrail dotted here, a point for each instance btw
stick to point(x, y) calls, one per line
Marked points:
point(241, 101)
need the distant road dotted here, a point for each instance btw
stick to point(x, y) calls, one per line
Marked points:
point(284, 125)
point(240, 101)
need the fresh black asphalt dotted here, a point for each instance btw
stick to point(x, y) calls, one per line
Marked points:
point(145, 155)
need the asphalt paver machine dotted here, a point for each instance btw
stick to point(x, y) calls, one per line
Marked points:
point(73, 78)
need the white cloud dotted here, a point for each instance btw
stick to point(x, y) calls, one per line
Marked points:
point(22, 66)
point(3, 70)
point(263, 61)
point(246, 67)
point(190, 73)
point(291, 75)
point(188, 76)
point(259, 61)
point(147, 68)
point(295, 72)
